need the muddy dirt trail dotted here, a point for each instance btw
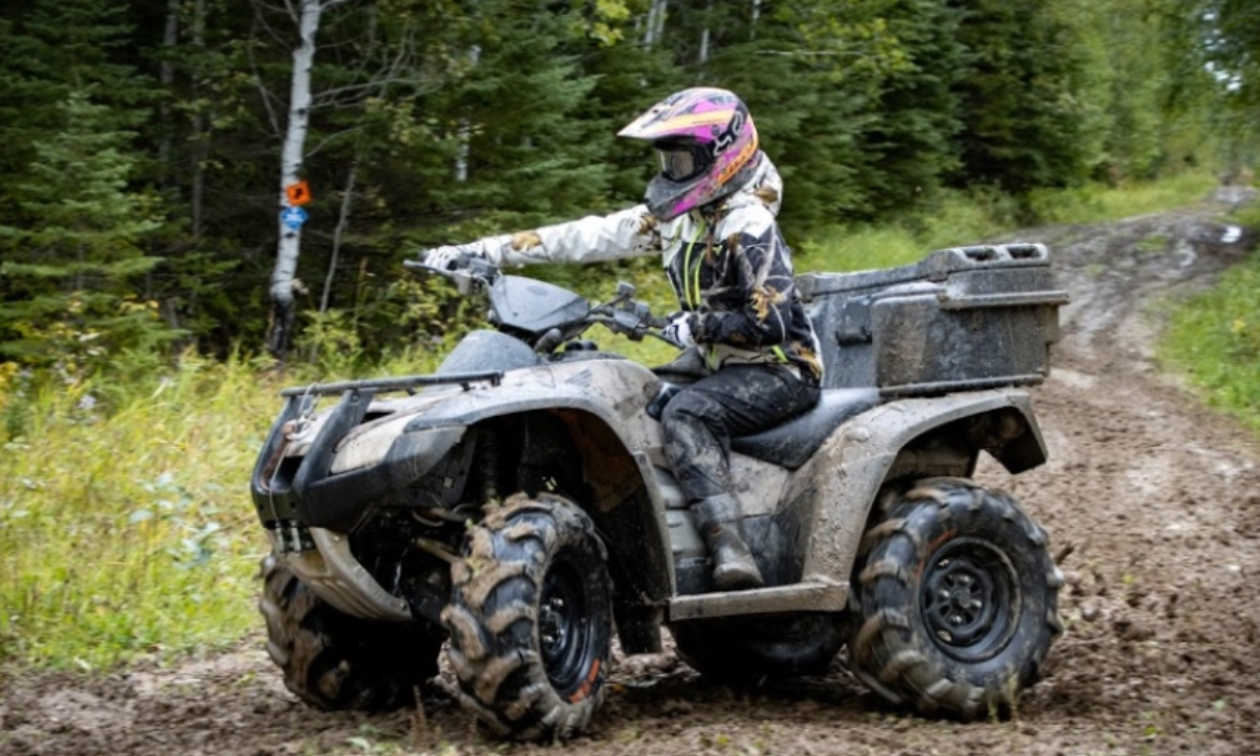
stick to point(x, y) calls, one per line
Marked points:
point(1152, 502)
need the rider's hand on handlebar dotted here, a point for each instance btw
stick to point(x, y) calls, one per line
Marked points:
point(445, 258)
point(680, 329)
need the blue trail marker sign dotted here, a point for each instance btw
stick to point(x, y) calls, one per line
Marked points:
point(293, 217)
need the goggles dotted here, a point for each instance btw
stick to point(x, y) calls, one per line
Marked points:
point(683, 162)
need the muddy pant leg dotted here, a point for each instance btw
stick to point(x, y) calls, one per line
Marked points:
point(698, 425)
point(735, 401)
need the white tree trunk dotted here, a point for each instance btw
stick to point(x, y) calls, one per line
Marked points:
point(655, 22)
point(465, 129)
point(704, 36)
point(291, 156)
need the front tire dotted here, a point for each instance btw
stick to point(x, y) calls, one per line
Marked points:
point(958, 600)
point(333, 661)
point(530, 619)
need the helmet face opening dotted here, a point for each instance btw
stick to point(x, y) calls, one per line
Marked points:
point(683, 162)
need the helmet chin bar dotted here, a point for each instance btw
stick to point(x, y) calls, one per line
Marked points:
point(668, 199)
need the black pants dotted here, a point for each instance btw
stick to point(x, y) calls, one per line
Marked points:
point(735, 401)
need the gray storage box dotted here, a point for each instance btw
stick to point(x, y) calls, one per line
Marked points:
point(960, 319)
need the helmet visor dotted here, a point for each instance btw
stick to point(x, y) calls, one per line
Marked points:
point(681, 162)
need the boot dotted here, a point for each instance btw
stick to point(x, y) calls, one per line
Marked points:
point(734, 568)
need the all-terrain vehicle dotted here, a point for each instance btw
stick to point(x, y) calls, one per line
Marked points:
point(516, 504)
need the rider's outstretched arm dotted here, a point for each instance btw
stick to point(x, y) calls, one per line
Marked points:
point(626, 233)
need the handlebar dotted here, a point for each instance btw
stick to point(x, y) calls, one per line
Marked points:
point(470, 273)
point(622, 314)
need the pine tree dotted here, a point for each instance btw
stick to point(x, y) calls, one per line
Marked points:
point(1021, 119)
point(510, 124)
point(73, 275)
point(909, 143)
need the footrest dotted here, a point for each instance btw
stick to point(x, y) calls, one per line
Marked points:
point(801, 597)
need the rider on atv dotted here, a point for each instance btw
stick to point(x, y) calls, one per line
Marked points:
point(710, 214)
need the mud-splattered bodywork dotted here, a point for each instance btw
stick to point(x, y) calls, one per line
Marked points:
point(369, 500)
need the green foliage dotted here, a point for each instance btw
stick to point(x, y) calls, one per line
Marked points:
point(71, 275)
point(459, 118)
point(950, 219)
point(1097, 203)
point(1023, 124)
point(1214, 339)
point(121, 521)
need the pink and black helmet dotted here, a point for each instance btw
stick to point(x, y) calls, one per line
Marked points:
point(707, 145)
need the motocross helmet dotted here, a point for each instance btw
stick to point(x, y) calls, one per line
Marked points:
point(707, 146)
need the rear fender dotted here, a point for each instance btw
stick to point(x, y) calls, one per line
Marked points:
point(905, 438)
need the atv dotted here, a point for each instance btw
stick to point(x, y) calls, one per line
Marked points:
point(516, 506)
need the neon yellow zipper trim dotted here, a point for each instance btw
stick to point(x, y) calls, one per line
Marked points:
point(694, 302)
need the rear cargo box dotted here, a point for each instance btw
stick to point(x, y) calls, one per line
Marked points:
point(958, 320)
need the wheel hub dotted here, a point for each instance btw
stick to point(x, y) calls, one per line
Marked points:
point(968, 599)
point(563, 627)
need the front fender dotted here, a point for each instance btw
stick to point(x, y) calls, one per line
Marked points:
point(350, 463)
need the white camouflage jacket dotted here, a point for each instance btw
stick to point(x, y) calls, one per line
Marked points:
point(728, 263)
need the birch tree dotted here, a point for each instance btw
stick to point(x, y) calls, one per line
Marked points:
point(306, 16)
point(372, 66)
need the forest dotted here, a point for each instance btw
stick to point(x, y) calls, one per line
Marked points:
point(143, 145)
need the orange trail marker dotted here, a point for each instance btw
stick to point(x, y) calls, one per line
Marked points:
point(298, 194)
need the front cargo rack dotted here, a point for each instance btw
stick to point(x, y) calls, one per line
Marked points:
point(394, 384)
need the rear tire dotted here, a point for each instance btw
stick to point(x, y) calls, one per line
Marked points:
point(530, 619)
point(334, 661)
point(958, 600)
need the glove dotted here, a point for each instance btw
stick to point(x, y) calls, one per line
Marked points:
point(445, 258)
point(680, 329)
point(492, 248)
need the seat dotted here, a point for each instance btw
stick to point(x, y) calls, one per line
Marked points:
point(792, 443)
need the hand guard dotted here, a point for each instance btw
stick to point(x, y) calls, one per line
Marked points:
point(680, 330)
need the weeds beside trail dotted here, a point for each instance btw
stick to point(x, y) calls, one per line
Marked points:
point(1214, 339)
point(122, 525)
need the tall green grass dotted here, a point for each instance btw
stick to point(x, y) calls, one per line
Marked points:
point(951, 219)
point(1094, 203)
point(125, 521)
point(962, 218)
point(1214, 338)
point(122, 522)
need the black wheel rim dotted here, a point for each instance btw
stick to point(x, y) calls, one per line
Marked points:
point(565, 632)
point(970, 599)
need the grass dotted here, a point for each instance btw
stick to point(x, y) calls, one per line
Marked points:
point(1099, 204)
point(1214, 338)
point(122, 527)
point(125, 522)
point(953, 219)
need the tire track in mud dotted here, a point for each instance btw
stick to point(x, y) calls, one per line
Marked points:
point(1153, 501)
